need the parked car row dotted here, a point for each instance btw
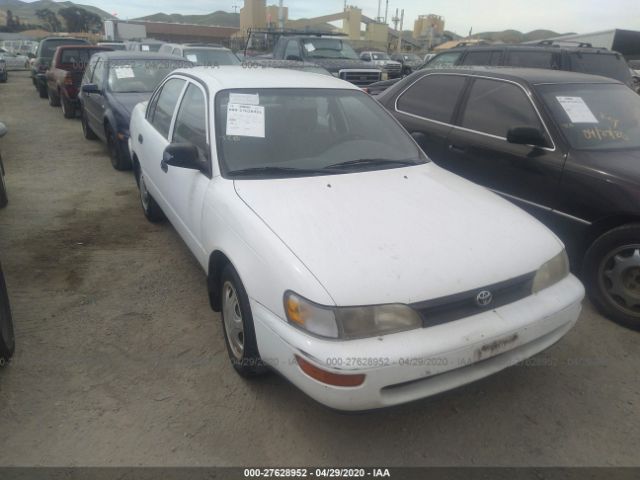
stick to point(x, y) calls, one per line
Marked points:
point(7, 338)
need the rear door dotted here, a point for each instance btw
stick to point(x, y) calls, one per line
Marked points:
point(479, 151)
point(426, 110)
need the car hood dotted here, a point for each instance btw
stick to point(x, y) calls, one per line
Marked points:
point(125, 102)
point(401, 235)
point(335, 64)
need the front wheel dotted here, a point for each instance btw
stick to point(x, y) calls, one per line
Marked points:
point(7, 338)
point(150, 207)
point(68, 110)
point(43, 91)
point(119, 159)
point(237, 322)
point(611, 272)
point(54, 99)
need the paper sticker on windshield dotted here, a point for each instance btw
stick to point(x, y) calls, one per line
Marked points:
point(124, 72)
point(192, 58)
point(577, 110)
point(245, 120)
point(309, 47)
point(244, 98)
point(144, 48)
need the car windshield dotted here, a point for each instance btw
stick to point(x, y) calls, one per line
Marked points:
point(211, 57)
point(411, 58)
point(328, 48)
point(139, 76)
point(49, 47)
point(607, 65)
point(78, 57)
point(595, 116)
point(150, 47)
point(299, 132)
point(380, 56)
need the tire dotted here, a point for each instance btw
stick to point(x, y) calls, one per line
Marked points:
point(7, 337)
point(86, 129)
point(3, 187)
point(119, 160)
point(43, 91)
point(68, 110)
point(54, 99)
point(4, 79)
point(237, 324)
point(611, 273)
point(150, 207)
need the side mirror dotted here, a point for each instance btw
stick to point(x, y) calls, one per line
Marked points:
point(527, 136)
point(3, 129)
point(181, 155)
point(90, 88)
point(295, 58)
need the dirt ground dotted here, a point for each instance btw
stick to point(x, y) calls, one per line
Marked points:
point(121, 362)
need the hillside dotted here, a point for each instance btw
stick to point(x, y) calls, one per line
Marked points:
point(27, 11)
point(514, 36)
point(219, 18)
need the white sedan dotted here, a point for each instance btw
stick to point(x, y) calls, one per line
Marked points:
point(15, 61)
point(337, 253)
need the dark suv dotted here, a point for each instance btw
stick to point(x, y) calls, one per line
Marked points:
point(564, 146)
point(44, 54)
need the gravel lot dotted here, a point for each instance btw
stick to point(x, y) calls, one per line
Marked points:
point(121, 362)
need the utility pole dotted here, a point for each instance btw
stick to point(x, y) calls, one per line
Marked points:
point(386, 12)
point(400, 31)
point(281, 16)
point(395, 20)
point(378, 18)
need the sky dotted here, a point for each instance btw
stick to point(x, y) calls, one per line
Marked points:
point(562, 16)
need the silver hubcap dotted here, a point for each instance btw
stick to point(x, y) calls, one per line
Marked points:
point(144, 194)
point(620, 278)
point(232, 317)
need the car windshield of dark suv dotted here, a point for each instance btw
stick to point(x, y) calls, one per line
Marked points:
point(595, 116)
point(380, 56)
point(139, 76)
point(328, 48)
point(271, 133)
point(607, 65)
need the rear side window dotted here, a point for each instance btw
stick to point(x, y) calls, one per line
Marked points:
point(166, 105)
point(494, 107)
point(433, 97)
point(445, 59)
point(191, 122)
point(532, 59)
point(485, 57)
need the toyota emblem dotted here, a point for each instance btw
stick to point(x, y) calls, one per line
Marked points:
point(484, 298)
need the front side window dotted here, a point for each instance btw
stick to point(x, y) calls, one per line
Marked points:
point(140, 76)
point(433, 97)
point(300, 132)
point(166, 105)
point(483, 57)
point(191, 121)
point(494, 107)
point(88, 73)
point(595, 116)
point(100, 73)
point(444, 60)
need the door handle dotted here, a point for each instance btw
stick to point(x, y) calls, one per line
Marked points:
point(140, 138)
point(457, 148)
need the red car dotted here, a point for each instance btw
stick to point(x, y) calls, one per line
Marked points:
point(65, 74)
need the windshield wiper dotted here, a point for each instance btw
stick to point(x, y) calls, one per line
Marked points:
point(372, 162)
point(279, 171)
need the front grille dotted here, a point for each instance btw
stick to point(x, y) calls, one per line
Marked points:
point(393, 68)
point(361, 78)
point(461, 305)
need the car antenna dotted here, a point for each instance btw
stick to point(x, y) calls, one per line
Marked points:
point(246, 45)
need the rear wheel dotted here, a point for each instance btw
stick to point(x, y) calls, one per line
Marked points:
point(7, 338)
point(86, 129)
point(43, 91)
point(237, 321)
point(612, 274)
point(68, 110)
point(54, 99)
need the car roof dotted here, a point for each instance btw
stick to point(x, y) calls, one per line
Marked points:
point(225, 77)
point(533, 76)
point(84, 47)
point(540, 48)
point(64, 39)
point(133, 55)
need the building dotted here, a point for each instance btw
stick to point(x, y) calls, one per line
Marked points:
point(253, 15)
point(427, 26)
point(273, 14)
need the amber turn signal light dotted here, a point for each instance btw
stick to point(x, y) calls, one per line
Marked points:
point(330, 378)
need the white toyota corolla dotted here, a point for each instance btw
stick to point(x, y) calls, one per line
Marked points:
point(337, 253)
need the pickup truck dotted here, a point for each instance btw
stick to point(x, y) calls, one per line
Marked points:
point(333, 53)
point(65, 75)
point(42, 61)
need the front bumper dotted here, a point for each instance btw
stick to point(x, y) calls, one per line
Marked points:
point(419, 363)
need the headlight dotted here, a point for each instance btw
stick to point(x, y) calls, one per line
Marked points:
point(349, 322)
point(551, 272)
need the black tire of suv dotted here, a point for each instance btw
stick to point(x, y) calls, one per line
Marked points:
point(4, 78)
point(68, 110)
point(592, 272)
point(7, 337)
point(4, 199)
point(118, 159)
point(43, 91)
point(54, 99)
point(150, 207)
point(86, 129)
point(250, 365)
